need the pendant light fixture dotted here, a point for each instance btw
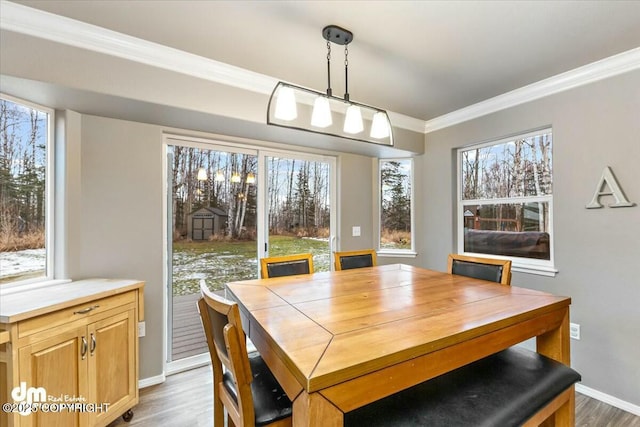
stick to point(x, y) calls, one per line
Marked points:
point(300, 108)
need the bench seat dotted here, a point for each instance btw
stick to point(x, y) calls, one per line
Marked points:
point(501, 390)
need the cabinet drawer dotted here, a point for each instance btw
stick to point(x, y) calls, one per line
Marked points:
point(73, 313)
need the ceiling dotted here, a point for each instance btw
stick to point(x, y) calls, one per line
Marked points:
point(422, 59)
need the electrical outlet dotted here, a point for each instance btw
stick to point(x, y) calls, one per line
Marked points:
point(141, 329)
point(355, 231)
point(574, 331)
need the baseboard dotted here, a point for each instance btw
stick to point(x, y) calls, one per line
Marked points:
point(146, 382)
point(608, 399)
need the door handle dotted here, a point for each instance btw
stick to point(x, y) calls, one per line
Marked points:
point(93, 344)
point(83, 352)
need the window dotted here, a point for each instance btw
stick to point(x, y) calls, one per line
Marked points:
point(25, 187)
point(396, 206)
point(505, 200)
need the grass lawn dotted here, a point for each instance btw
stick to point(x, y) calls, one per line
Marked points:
point(219, 262)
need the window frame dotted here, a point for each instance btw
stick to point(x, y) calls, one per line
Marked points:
point(519, 264)
point(50, 203)
point(387, 252)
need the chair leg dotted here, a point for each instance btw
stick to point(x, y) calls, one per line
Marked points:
point(218, 412)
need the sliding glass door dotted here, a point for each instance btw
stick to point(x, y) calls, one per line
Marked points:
point(213, 220)
point(228, 206)
point(299, 207)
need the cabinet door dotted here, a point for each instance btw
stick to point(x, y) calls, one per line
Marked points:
point(112, 365)
point(58, 365)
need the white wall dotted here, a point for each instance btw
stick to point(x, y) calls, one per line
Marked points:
point(596, 250)
point(117, 211)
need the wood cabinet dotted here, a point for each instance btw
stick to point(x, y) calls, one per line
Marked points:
point(82, 349)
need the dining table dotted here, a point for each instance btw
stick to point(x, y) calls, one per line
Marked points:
point(339, 340)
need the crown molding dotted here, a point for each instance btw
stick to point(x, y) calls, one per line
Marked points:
point(60, 29)
point(590, 73)
point(22, 19)
point(37, 23)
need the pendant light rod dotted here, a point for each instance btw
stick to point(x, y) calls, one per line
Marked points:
point(329, 93)
point(341, 36)
point(346, 73)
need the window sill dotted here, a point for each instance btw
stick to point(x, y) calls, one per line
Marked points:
point(396, 254)
point(548, 271)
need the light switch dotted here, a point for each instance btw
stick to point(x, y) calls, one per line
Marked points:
point(355, 231)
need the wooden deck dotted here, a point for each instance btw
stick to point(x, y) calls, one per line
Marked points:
point(188, 336)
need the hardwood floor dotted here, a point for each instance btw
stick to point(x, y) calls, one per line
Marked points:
point(184, 399)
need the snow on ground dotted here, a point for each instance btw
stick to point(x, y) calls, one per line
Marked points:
point(15, 263)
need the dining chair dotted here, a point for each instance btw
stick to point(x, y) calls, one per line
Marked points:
point(347, 260)
point(246, 389)
point(288, 265)
point(494, 270)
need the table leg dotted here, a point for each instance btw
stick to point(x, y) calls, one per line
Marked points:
point(556, 345)
point(314, 410)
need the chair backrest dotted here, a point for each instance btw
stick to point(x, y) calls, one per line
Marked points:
point(227, 347)
point(289, 265)
point(495, 270)
point(347, 260)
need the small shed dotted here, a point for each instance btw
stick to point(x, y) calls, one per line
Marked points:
point(205, 222)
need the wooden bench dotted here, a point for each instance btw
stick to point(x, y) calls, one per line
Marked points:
point(515, 387)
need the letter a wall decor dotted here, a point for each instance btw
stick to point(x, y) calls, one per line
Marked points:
point(614, 190)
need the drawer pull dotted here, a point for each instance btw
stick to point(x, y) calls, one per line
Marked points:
point(86, 310)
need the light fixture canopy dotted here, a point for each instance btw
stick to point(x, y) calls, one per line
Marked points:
point(306, 109)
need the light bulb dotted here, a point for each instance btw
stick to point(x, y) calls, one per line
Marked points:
point(380, 126)
point(235, 177)
point(286, 104)
point(321, 116)
point(353, 120)
point(202, 174)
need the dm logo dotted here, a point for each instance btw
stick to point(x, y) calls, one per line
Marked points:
point(29, 396)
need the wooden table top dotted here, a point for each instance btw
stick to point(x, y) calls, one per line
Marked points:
point(335, 326)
